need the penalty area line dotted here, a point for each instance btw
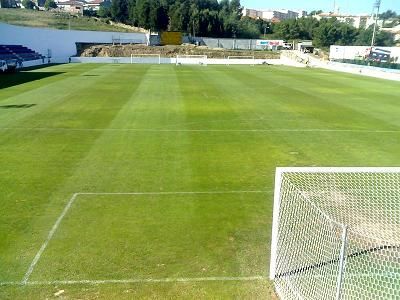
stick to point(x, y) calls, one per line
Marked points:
point(38, 255)
point(144, 280)
point(46, 242)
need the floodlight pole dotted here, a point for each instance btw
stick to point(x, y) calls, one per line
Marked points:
point(377, 6)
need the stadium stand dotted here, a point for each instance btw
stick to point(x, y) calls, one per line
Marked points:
point(18, 52)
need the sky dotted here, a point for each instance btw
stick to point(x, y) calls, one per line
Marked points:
point(346, 6)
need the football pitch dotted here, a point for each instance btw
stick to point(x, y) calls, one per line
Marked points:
point(156, 181)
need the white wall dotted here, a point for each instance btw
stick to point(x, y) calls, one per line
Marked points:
point(350, 52)
point(172, 60)
point(60, 42)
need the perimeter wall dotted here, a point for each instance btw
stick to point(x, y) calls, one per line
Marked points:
point(61, 44)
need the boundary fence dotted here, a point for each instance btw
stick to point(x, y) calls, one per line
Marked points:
point(173, 60)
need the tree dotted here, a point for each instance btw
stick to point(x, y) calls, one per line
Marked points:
point(347, 34)
point(50, 4)
point(315, 12)
point(288, 30)
point(132, 16)
point(327, 33)
point(143, 13)
point(105, 10)
point(158, 16)
point(176, 17)
point(389, 14)
point(307, 26)
point(263, 26)
point(382, 38)
point(247, 28)
point(119, 10)
point(28, 4)
point(5, 4)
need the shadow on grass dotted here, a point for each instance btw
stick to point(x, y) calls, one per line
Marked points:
point(12, 79)
point(16, 106)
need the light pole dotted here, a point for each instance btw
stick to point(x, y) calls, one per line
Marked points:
point(265, 30)
point(376, 8)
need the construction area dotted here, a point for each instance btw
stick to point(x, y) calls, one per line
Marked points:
point(90, 50)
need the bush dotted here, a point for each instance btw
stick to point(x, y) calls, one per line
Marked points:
point(28, 4)
point(50, 4)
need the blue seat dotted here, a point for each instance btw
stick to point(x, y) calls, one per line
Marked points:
point(18, 52)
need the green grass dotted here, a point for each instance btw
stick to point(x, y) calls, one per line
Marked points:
point(150, 128)
point(48, 19)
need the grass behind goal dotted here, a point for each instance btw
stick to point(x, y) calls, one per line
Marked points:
point(162, 128)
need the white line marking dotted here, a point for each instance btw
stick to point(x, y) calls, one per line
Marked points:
point(67, 207)
point(200, 130)
point(188, 279)
point(177, 193)
point(46, 242)
point(144, 280)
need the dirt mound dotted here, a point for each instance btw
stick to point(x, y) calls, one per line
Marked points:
point(168, 51)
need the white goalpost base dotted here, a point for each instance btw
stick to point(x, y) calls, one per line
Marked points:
point(336, 233)
point(145, 59)
point(191, 60)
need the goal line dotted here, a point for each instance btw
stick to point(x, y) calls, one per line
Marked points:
point(142, 280)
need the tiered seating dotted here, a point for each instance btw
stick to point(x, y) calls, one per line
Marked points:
point(18, 52)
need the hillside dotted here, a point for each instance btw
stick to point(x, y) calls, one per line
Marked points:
point(57, 20)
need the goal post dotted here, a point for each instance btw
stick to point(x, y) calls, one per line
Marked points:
point(146, 58)
point(191, 60)
point(241, 60)
point(336, 233)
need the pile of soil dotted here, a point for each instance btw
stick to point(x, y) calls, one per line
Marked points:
point(168, 51)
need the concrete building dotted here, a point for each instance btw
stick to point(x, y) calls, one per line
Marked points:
point(73, 7)
point(395, 31)
point(93, 5)
point(252, 13)
point(358, 21)
point(273, 15)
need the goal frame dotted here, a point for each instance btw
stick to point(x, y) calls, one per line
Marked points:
point(141, 55)
point(203, 59)
point(277, 196)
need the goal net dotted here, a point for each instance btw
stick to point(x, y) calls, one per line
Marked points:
point(336, 233)
point(241, 60)
point(145, 59)
point(191, 60)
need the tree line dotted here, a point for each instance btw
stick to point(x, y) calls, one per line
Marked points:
point(328, 32)
point(213, 18)
point(210, 18)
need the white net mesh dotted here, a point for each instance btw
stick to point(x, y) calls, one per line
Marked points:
point(336, 233)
